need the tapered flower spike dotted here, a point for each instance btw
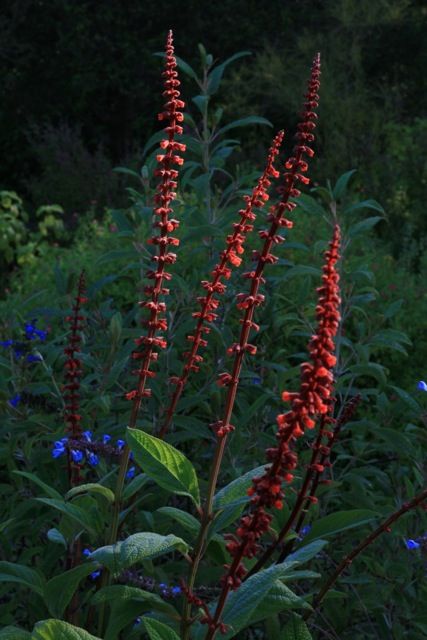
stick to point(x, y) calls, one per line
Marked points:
point(230, 255)
point(73, 374)
point(156, 322)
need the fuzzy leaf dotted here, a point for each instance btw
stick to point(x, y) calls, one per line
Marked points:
point(158, 631)
point(167, 466)
point(296, 629)
point(91, 487)
point(60, 589)
point(58, 630)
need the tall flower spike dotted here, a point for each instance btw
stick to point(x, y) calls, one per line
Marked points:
point(307, 405)
point(73, 365)
point(296, 167)
point(230, 255)
point(156, 321)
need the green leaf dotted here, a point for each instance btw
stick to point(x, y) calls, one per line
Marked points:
point(339, 521)
point(363, 225)
point(364, 204)
point(121, 592)
point(307, 552)
point(72, 511)
point(403, 395)
point(201, 103)
point(164, 464)
point(185, 519)
point(91, 488)
point(158, 631)
point(341, 184)
point(215, 76)
point(50, 491)
point(14, 633)
point(310, 205)
point(237, 489)
point(60, 589)
point(137, 548)
point(243, 122)
point(372, 369)
point(279, 597)
point(296, 629)
point(58, 630)
point(56, 536)
point(30, 578)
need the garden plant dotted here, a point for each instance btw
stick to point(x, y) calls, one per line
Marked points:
point(130, 507)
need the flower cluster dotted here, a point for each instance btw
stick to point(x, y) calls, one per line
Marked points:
point(230, 255)
point(156, 322)
point(85, 449)
point(312, 401)
point(247, 302)
point(73, 364)
point(21, 348)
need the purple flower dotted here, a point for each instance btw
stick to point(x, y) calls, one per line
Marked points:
point(77, 456)
point(15, 400)
point(422, 386)
point(412, 544)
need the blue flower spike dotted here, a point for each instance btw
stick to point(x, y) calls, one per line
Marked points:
point(422, 386)
point(412, 544)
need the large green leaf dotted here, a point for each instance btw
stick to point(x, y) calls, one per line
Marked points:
point(337, 522)
point(307, 552)
point(164, 464)
point(137, 548)
point(147, 600)
point(295, 629)
point(158, 631)
point(60, 589)
point(91, 487)
point(342, 183)
point(278, 599)
point(185, 519)
point(30, 578)
point(215, 75)
point(50, 491)
point(58, 630)
point(243, 122)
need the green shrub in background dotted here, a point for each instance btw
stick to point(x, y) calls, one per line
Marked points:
point(379, 459)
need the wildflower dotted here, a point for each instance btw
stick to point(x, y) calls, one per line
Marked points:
point(15, 400)
point(6, 343)
point(106, 438)
point(166, 194)
point(412, 544)
point(95, 575)
point(131, 473)
point(87, 435)
point(86, 552)
point(77, 456)
point(18, 352)
point(306, 529)
point(93, 459)
point(34, 358)
point(120, 444)
point(422, 386)
point(30, 329)
point(176, 591)
point(59, 448)
point(138, 621)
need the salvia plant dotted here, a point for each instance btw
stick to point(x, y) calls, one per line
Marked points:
point(207, 559)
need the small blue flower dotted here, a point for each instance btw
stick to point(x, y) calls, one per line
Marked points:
point(41, 334)
point(176, 591)
point(131, 473)
point(120, 444)
point(15, 400)
point(106, 438)
point(422, 386)
point(18, 352)
point(131, 456)
point(6, 343)
point(306, 529)
point(412, 544)
point(137, 621)
point(162, 585)
point(256, 380)
point(87, 552)
point(77, 456)
point(93, 459)
point(33, 358)
point(58, 451)
point(30, 328)
point(87, 435)
point(95, 574)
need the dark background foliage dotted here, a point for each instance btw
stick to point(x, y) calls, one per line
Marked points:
point(80, 91)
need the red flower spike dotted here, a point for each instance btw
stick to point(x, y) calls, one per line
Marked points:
point(165, 195)
point(230, 255)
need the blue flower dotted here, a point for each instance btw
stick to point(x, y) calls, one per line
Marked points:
point(120, 444)
point(32, 358)
point(176, 591)
point(256, 380)
point(87, 552)
point(6, 343)
point(306, 529)
point(412, 544)
point(58, 450)
point(137, 621)
point(422, 386)
point(18, 352)
point(15, 400)
point(162, 585)
point(106, 438)
point(77, 456)
point(95, 574)
point(93, 459)
point(41, 334)
point(30, 328)
point(87, 435)
point(130, 474)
